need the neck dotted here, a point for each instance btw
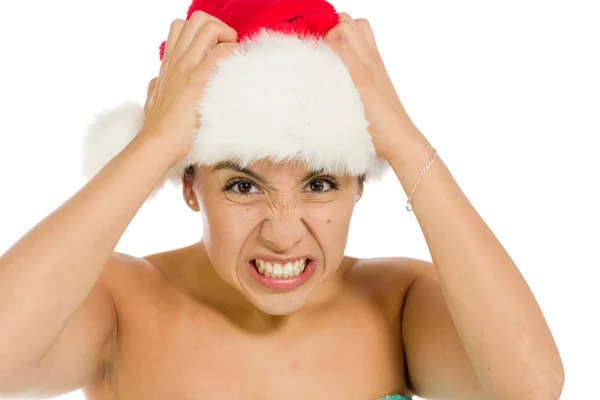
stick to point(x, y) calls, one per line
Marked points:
point(202, 282)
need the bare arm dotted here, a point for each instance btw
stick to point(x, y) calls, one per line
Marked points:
point(57, 318)
point(48, 274)
point(472, 327)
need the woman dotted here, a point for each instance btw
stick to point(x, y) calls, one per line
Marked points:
point(267, 306)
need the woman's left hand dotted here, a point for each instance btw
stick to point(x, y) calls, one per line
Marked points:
point(353, 41)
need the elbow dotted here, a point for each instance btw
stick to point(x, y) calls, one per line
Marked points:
point(555, 379)
point(556, 384)
point(548, 387)
point(547, 376)
point(544, 385)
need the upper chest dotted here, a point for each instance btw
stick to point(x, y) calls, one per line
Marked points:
point(171, 348)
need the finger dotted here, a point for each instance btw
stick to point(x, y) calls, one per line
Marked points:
point(217, 53)
point(150, 95)
point(211, 61)
point(334, 34)
point(177, 27)
point(345, 30)
point(345, 36)
point(344, 16)
point(151, 86)
point(352, 29)
point(189, 31)
point(365, 28)
point(210, 35)
point(194, 25)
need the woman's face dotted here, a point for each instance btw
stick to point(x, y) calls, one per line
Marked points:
point(275, 232)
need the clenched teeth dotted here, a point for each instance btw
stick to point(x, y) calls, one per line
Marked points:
point(275, 270)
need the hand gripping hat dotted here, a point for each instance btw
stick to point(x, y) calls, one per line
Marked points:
point(283, 95)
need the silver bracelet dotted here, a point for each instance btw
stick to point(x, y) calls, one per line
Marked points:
point(408, 205)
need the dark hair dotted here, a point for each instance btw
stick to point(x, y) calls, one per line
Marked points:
point(189, 172)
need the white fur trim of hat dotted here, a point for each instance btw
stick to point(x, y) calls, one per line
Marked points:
point(280, 96)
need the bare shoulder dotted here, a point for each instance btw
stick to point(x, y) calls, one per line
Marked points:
point(436, 361)
point(122, 263)
point(85, 351)
point(387, 272)
point(388, 278)
point(147, 282)
point(124, 269)
point(137, 284)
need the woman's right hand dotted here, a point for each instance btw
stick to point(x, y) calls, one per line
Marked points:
point(192, 51)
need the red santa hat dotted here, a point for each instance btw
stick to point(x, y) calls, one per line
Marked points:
point(283, 95)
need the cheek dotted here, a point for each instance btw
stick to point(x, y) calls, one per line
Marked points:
point(334, 215)
point(330, 224)
point(227, 228)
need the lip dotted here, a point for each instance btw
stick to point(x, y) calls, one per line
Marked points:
point(283, 284)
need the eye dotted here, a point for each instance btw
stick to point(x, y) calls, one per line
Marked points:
point(321, 185)
point(243, 187)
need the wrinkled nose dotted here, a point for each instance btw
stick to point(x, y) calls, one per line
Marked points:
point(283, 231)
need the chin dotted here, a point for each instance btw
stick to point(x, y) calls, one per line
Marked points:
point(279, 288)
point(278, 305)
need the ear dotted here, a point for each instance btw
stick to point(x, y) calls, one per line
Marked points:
point(359, 192)
point(187, 185)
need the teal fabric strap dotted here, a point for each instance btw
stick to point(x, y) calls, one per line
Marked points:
point(394, 397)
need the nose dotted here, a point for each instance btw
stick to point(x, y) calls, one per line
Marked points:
point(283, 231)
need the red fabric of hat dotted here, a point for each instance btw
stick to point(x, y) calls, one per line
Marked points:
point(247, 17)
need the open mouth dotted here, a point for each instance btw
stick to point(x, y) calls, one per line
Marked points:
point(282, 276)
point(280, 271)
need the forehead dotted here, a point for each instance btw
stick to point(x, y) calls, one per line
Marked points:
point(266, 168)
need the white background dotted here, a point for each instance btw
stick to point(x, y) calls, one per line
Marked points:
point(508, 92)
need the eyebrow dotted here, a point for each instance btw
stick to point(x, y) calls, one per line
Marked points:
point(235, 167)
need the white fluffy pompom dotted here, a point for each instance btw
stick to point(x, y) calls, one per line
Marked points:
point(108, 134)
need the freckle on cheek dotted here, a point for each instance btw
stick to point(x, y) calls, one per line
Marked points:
point(329, 221)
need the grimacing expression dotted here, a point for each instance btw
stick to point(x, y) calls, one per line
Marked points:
point(280, 213)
